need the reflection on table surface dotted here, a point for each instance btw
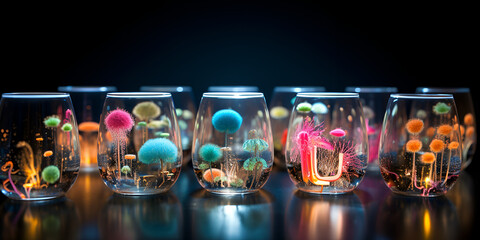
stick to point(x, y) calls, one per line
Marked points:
point(279, 211)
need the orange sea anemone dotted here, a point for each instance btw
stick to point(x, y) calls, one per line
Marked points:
point(430, 131)
point(444, 130)
point(468, 119)
point(459, 128)
point(453, 145)
point(207, 175)
point(88, 127)
point(427, 158)
point(437, 145)
point(414, 126)
point(470, 131)
point(414, 145)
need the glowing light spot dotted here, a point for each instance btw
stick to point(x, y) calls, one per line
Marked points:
point(130, 156)
point(39, 139)
point(48, 153)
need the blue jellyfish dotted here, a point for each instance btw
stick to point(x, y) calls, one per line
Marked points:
point(255, 145)
point(227, 120)
point(156, 150)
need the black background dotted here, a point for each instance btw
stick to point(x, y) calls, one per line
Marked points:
point(240, 43)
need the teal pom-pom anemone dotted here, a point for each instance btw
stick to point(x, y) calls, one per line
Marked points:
point(156, 150)
point(227, 120)
point(210, 152)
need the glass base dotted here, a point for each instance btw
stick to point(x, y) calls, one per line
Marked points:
point(326, 192)
point(231, 192)
point(418, 194)
point(14, 196)
point(131, 193)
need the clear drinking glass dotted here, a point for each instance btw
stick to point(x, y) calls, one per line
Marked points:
point(233, 89)
point(280, 107)
point(88, 103)
point(327, 146)
point(466, 114)
point(420, 152)
point(139, 147)
point(233, 147)
point(185, 109)
point(374, 101)
point(39, 147)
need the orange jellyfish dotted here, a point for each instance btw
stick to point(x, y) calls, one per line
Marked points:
point(414, 126)
point(413, 146)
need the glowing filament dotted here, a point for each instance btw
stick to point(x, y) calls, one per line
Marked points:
point(309, 162)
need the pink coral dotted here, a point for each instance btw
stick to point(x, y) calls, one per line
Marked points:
point(119, 120)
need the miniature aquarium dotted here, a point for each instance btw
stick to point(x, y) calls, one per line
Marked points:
point(374, 102)
point(233, 146)
point(88, 103)
point(467, 120)
point(139, 144)
point(39, 145)
point(280, 107)
point(185, 109)
point(327, 146)
point(420, 146)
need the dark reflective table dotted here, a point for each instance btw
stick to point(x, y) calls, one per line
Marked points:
point(279, 211)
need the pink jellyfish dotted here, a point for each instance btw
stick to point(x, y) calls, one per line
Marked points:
point(119, 122)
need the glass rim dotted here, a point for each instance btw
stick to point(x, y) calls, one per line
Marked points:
point(87, 88)
point(233, 88)
point(138, 95)
point(35, 95)
point(421, 96)
point(328, 95)
point(165, 88)
point(371, 89)
point(298, 89)
point(442, 90)
point(234, 95)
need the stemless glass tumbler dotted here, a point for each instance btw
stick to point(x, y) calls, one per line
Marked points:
point(280, 107)
point(139, 148)
point(88, 102)
point(327, 146)
point(374, 101)
point(233, 146)
point(185, 109)
point(39, 148)
point(420, 152)
point(467, 120)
